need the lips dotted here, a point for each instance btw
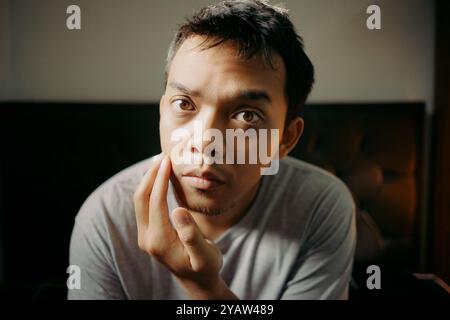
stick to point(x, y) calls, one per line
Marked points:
point(206, 180)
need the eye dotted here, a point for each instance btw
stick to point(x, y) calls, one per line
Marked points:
point(182, 105)
point(250, 117)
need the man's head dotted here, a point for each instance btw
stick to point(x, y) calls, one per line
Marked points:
point(233, 65)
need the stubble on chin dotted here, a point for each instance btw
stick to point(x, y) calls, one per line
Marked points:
point(212, 210)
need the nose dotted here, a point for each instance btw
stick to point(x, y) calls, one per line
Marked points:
point(207, 129)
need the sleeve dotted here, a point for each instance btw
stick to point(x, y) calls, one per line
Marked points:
point(324, 264)
point(91, 253)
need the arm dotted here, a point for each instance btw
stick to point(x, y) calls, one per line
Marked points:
point(192, 259)
point(324, 264)
point(90, 251)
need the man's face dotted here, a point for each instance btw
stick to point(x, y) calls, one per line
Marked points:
point(218, 89)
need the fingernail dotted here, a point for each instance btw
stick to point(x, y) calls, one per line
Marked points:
point(182, 219)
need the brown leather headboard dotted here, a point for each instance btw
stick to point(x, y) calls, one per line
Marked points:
point(377, 151)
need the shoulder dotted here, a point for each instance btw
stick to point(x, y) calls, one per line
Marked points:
point(330, 204)
point(324, 201)
point(312, 182)
point(313, 194)
point(104, 226)
point(114, 197)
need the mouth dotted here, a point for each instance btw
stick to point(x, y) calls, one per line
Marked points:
point(203, 180)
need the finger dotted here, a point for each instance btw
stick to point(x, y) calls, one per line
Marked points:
point(146, 184)
point(142, 193)
point(159, 211)
point(192, 239)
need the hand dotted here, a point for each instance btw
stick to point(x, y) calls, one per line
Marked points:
point(193, 259)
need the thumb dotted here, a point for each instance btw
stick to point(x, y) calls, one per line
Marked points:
point(191, 237)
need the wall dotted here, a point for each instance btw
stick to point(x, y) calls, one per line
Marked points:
point(119, 53)
point(6, 79)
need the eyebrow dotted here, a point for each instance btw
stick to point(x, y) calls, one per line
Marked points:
point(182, 88)
point(254, 95)
point(241, 95)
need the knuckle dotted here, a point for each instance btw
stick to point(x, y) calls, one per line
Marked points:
point(155, 251)
point(141, 243)
point(188, 236)
point(200, 266)
point(153, 247)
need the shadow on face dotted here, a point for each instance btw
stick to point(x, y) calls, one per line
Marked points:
point(215, 90)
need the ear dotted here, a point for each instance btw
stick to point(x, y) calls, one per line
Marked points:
point(291, 135)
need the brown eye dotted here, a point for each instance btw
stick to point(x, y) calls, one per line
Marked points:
point(248, 117)
point(182, 105)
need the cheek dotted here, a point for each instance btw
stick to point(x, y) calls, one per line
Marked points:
point(166, 128)
point(246, 175)
point(165, 133)
point(174, 139)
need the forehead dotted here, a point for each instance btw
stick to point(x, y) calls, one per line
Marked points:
point(220, 70)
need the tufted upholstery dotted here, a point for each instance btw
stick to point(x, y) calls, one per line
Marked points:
point(376, 151)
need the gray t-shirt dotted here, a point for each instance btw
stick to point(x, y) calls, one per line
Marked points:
point(296, 241)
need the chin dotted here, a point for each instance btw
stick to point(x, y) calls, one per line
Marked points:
point(207, 203)
point(211, 202)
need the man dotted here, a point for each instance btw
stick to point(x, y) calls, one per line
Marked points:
point(171, 229)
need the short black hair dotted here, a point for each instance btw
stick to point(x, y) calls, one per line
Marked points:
point(257, 28)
